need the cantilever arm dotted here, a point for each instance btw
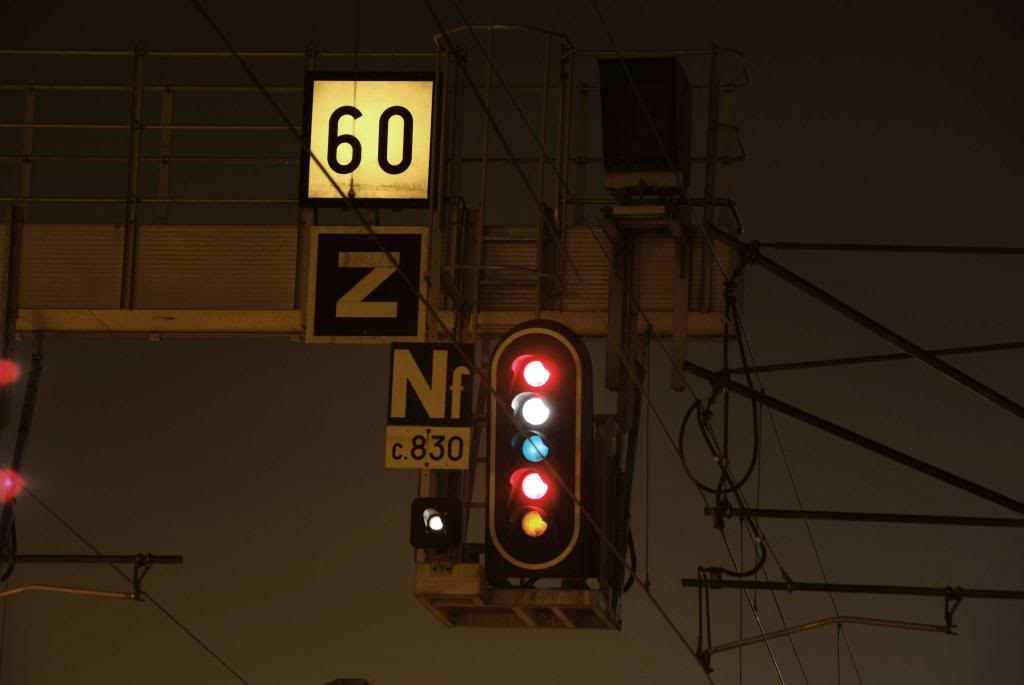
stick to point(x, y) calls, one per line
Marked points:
point(84, 592)
point(750, 252)
point(879, 622)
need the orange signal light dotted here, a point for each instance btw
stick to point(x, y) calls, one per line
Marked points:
point(534, 524)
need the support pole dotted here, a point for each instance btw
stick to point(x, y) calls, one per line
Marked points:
point(24, 427)
point(918, 249)
point(131, 201)
point(850, 588)
point(866, 517)
point(710, 177)
point(145, 559)
point(751, 253)
point(856, 438)
point(15, 230)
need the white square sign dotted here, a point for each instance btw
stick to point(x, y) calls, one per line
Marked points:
point(372, 135)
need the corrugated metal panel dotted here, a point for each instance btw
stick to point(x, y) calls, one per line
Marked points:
point(71, 266)
point(215, 267)
point(590, 256)
point(513, 284)
point(655, 270)
point(698, 246)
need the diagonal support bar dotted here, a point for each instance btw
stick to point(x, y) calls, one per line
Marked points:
point(873, 358)
point(856, 438)
point(751, 253)
point(840, 620)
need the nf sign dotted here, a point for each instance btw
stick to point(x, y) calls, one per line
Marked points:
point(356, 293)
point(372, 134)
point(430, 415)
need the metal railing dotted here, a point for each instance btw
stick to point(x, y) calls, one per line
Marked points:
point(152, 131)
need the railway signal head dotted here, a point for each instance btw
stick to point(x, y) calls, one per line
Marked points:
point(540, 432)
point(435, 523)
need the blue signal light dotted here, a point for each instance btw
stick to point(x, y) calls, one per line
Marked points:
point(535, 449)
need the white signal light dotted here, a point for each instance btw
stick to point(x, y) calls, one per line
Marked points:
point(536, 411)
point(433, 520)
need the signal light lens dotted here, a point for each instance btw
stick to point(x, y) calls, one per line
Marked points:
point(535, 449)
point(531, 408)
point(536, 374)
point(536, 411)
point(533, 486)
point(11, 485)
point(533, 524)
point(433, 520)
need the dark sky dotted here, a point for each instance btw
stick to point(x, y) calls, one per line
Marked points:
point(259, 460)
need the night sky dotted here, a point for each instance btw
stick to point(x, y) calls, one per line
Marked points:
point(259, 461)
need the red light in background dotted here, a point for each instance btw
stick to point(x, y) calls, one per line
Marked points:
point(11, 485)
point(10, 371)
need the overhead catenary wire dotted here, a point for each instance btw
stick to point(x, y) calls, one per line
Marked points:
point(749, 366)
point(742, 331)
point(152, 600)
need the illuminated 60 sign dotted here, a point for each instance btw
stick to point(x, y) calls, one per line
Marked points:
point(372, 134)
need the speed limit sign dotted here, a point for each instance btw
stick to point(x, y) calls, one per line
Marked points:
point(371, 132)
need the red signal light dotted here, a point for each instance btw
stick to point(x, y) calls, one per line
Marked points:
point(11, 485)
point(10, 371)
point(535, 372)
point(530, 483)
point(533, 486)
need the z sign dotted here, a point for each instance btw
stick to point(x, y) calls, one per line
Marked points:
point(356, 294)
point(372, 135)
